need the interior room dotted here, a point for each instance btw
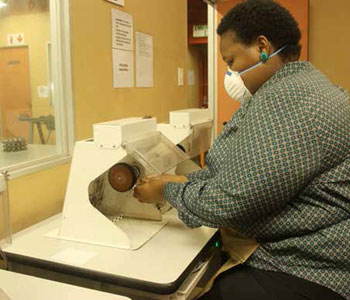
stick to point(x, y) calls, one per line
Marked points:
point(150, 148)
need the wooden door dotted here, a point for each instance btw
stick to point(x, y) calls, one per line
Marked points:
point(226, 106)
point(15, 92)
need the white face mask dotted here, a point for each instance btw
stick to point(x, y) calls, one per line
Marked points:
point(234, 84)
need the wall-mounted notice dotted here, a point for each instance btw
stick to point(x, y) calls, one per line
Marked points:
point(123, 68)
point(118, 2)
point(144, 60)
point(123, 49)
point(190, 77)
point(43, 91)
point(122, 30)
point(15, 39)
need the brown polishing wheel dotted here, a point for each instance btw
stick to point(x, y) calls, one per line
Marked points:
point(122, 177)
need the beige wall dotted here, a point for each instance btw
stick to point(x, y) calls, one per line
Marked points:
point(37, 196)
point(329, 39)
point(95, 98)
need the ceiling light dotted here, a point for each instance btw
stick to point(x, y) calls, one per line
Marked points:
point(2, 4)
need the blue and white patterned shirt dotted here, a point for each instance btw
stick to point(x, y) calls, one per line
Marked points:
point(280, 173)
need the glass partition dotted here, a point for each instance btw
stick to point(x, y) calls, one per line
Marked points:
point(27, 108)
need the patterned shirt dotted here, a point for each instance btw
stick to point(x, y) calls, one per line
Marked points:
point(280, 173)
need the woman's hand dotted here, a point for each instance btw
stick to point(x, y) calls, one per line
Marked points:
point(149, 191)
point(150, 188)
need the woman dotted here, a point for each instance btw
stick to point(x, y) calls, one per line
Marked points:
point(279, 172)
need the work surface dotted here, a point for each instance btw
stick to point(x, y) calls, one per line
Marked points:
point(159, 263)
point(33, 152)
point(18, 287)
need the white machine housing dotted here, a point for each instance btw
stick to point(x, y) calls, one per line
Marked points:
point(122, 221)
point(84, 222)
point(191, 128)
point(111, 135)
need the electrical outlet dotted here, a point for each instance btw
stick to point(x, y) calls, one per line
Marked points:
point(180, 76)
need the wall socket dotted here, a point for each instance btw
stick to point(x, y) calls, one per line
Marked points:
point(180, 76)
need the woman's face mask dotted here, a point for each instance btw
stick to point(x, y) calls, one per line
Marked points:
point(234, 84)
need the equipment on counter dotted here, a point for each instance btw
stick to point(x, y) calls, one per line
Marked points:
point(99, 206)
point(48, 121)
point(14, 144)
point(190, 129)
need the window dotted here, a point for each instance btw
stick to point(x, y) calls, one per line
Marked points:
point(36, 115)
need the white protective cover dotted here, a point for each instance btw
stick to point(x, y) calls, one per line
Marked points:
point(81, 221)
point(84, 223)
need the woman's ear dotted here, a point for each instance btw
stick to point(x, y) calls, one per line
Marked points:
point(264, 46)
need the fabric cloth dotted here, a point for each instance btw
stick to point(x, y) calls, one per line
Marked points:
point(238, 248)
point(244, 283)
point(279, 173)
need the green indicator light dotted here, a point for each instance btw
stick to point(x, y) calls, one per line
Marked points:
point(217, 244)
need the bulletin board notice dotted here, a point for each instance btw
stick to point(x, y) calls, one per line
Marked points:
point(118, 2)
point(144, 60)
point(123, 49)
point(122, 30)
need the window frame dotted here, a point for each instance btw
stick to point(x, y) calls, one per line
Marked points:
point(212, 66)
point(62, 94)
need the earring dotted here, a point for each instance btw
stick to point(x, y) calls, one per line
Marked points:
point(263, 56)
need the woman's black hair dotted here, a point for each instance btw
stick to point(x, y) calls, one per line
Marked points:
point(252, 18)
